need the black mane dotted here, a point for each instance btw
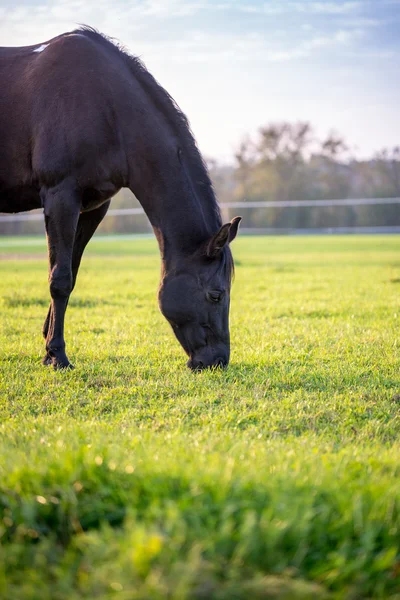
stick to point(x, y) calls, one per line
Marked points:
point(167, 106)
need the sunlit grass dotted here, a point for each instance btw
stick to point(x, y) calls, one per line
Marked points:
point(132, 477)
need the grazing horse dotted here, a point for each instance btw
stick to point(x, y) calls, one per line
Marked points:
point(79, 119)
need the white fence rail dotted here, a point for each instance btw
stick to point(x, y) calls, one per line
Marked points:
point(273, 204)
point(39, 216)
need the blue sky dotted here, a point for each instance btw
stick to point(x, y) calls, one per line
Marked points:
point(235, 65)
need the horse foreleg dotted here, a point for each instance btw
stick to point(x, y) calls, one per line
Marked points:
point(87, 225)
point(61, 209)
point(47, 359)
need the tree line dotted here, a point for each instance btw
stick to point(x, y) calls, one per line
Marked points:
point(287, 161)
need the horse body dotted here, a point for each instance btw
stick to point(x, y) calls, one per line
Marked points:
point(52, 127)
point(79, 119)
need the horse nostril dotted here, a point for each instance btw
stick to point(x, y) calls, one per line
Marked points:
point(195, 365)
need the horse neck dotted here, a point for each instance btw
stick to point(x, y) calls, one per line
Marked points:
point(182, 211)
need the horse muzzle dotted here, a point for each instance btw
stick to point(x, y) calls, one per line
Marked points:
point(204, 360)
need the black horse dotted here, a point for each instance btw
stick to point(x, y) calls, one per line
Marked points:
point(79, 119)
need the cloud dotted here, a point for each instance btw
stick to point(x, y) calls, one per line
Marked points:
point(307, 47)
point(318, 8)
point(330, 8)
point(171, 8)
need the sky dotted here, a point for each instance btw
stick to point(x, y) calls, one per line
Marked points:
point(234, 66)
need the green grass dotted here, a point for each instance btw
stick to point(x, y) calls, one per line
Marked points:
point(133, 478)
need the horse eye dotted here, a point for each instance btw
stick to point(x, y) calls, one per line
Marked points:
point(215, 296)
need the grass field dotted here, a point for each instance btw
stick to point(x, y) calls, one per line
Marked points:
point(133, 478)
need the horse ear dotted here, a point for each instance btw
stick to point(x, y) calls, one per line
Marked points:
point(224, 236)
point(218, 241)
point(234, 228)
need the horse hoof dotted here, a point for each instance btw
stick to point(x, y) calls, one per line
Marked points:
point(46, 360)
point(59, 360)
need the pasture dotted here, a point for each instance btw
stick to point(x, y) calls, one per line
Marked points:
point(133, 478)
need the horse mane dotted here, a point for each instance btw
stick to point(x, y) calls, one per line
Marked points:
point(168, 107)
